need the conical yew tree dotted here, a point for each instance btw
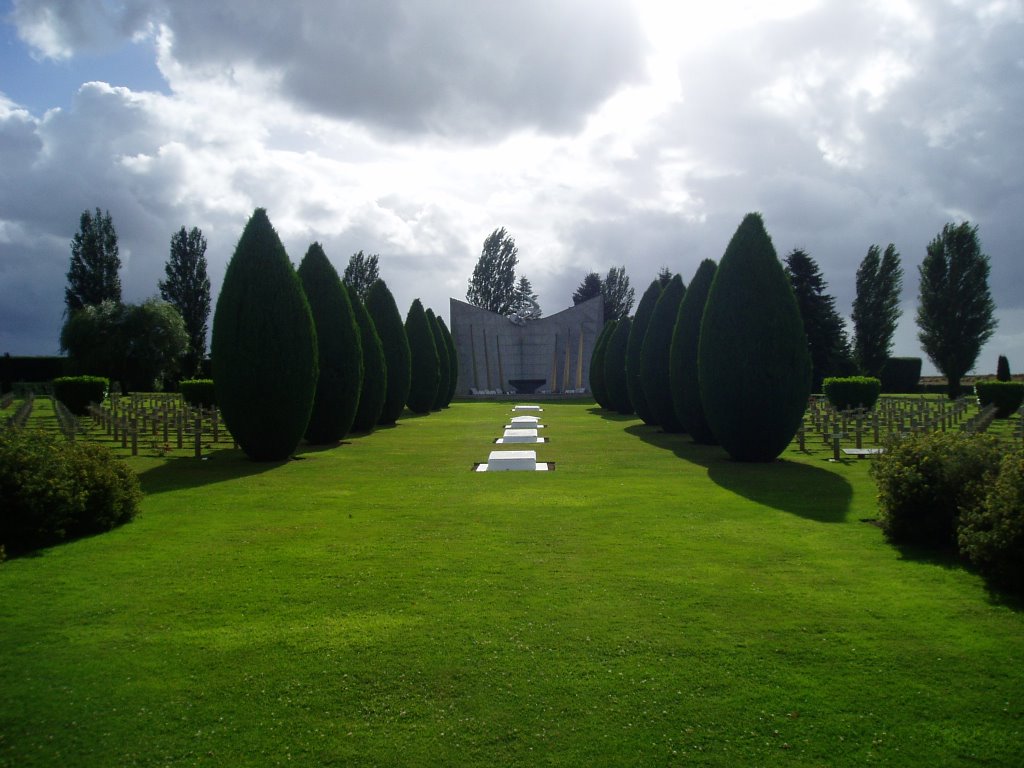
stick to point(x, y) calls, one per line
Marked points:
point(425, 362)
point(615, 367)
point(338, 349)
point(597, 387)
point(444, 370)
point(654, 355)
point(641, 319)
point(752, 360)
point(380, 305)
point(264, 346)
point(453, 361)
point(683, 356)
point(375, 371)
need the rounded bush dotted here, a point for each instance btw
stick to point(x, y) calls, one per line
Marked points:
point(615, 367)
point(425, 362)
point(1006, 396)
point(199, 393)
point(683, 356)
point(641, 320)
point(380, 305)
point(900, 375)
point(264, 346)
point(77, 392)
point(339, 350)
point(850, 392)
point(597, 384)
point(1003, 369)
point(453, 360)
point(654, 356)
point(753, 363)
point(444, 370)
point(52, 490)
point(375, 371)
point(924, 480)
point(991, 533)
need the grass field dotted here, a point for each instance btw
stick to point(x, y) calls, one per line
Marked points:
point(649, 603)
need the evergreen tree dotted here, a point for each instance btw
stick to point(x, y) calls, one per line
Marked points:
point(425, 366)
point(664, 276)
point(588, 289)
point(615, 367)
point(618, 296)
point(362, 272)
point(93, 272)
point(264, 346)
point(654, 356)
point(493, 284)
point(641, 320)
point(955, 311)
point(876, 308)
point(524, 303)
point(187, 288)
point(826, 332)
point(444, 371)
point(683, 376)
point(1003, 369)
point(453, 361)
point(597, 386)
point(380, 305)
point(375, 371)
point(339, 349)
point(752, 358)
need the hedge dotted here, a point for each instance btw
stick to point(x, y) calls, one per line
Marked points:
point(444, 369)
point(453, 360)
point(991, 532)
point(380, 305)
point(597, 386)
point(76, 392)
point(615, 368)
point(425, 366)
point(654, 356)
point(850, 392)
point(375, 370)
point(199, 393)
point(683, 356)
point(641, 320)
point(1007, 396)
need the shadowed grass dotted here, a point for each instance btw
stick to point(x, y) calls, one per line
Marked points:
point(649, 603)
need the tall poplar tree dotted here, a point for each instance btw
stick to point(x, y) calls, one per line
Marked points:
point(876, 308)
point(493, 285)
point(618, 296)
point(93, 273)
point(187, 288)
point(361, 272)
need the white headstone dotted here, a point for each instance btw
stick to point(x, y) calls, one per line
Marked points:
point(526, 408)
point(510, 461)
point(524, 420)
point(519, 436)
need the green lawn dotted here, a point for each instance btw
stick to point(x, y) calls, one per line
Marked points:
point(650, 602)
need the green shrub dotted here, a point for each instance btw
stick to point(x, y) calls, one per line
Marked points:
point(52, 490)
point(654, 356)
point(924, 480)
point(264, 346)
point(752, 361)
point(199, 393)
point(900, 375)
point(425, 362)
point(76, 392)
point(1006, 396)
point(852, 392)
point(380, 305)
point(1003, 369)
point(453, 360)
point(683, 356)
point(339, 351)
point(615, 367)
point(641, 320)
point(443, 364)
point(597, 387)
point(375, 371)
point(991, 533)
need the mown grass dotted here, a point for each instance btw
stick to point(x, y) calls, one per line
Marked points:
point(648, 603)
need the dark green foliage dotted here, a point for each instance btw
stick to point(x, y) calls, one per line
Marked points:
point(339, 351)
point(199, 393)
point(1003, 369)
point(925, 479)
point(380, 305)
point(425, 367)
point(641, 320)
point(597, 380)
point(852, 392)
point(361, 273)
point(24, 368)
point(664, 276)
point(991, 532)
point(615, 367)
point(955, 311)
point(524, 302)
point(453, 360)
point(444, 370)
point(618, 296)
point(901, 374)
point(753, 363)
point(588, 289)
point(187, 289)
point(375, 369)
point(264, 346)
point(826, 332)
point(493, 284)
point(654, 356)
point(93, 273)
point(876, 307)
point(52, 490)
point(683, 356)
point(76, 392)
point(1007, 396)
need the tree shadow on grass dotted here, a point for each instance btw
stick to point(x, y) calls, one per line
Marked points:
point(214, 467)
point(800, 489)
point(948, 559)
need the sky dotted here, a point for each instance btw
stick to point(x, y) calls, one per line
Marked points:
point(599, 133)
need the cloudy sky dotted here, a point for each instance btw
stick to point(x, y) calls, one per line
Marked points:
point(598, 132)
